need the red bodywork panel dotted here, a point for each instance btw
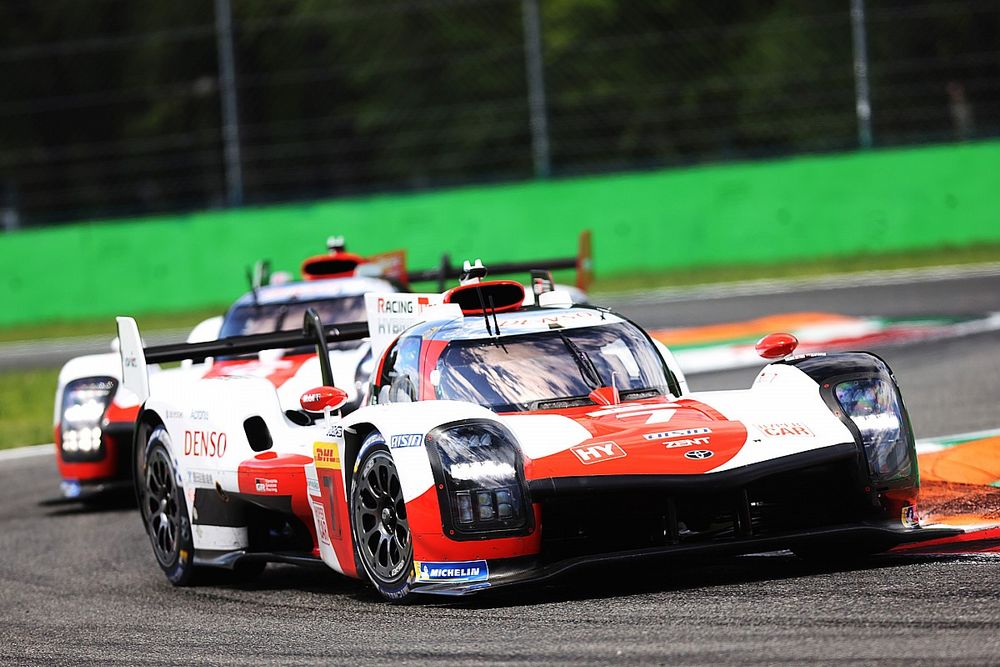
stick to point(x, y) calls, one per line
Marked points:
point(623, 443)
point(271, 474)
point(430, 542)
point(277, 372)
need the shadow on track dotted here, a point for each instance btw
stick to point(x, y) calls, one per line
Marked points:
point(679, 575)
point(675, 575)
point(118, 501)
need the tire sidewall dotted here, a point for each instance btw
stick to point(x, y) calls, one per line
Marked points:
point(181, 569)
point(397, 591)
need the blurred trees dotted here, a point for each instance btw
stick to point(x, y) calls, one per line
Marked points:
point(111, 107)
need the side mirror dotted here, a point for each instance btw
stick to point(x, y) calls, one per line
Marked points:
point(323, 399)
point(776, 345)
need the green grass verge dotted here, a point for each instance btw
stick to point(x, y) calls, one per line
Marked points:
point(26, 407)
point(106, 325)
point(819, 267)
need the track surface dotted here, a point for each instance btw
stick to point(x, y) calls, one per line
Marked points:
point(81, 585)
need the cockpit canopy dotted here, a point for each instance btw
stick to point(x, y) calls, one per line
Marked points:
point(548, 366)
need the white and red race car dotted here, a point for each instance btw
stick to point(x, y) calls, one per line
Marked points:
point(94, 416)
point(501, 443)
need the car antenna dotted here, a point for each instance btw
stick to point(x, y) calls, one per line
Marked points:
point(472, 274)
point(253, 287)
point(496, 324)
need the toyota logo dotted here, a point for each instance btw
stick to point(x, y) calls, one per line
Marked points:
point(698, 454)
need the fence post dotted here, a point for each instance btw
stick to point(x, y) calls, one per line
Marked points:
point(862, 98)
point(535, 65)
point(227, 95)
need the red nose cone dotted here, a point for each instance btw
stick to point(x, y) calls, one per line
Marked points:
point(316, 399)
point(776, 345)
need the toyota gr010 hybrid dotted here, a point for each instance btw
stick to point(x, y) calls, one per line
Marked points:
point(94, 415)
point(500, 444)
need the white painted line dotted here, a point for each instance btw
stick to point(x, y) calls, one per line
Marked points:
point(786, 285)
point(27, 452)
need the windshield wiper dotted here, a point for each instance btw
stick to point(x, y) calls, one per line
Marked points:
point(583, 362)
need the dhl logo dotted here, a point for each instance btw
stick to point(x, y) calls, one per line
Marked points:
point(326, 455)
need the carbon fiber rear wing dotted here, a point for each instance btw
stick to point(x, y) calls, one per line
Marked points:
point(135, 357)
point(583, 263)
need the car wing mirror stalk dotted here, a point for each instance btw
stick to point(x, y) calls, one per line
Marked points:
point(313, 324)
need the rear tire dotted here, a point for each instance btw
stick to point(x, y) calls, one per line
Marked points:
point(382, 540)
point(163, 508)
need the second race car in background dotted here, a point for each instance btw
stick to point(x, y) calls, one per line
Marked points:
point(94, 415)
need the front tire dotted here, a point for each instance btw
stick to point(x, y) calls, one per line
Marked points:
point(164, 509)
point(383, 543)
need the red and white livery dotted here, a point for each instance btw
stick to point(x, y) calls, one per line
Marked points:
point(501, 443)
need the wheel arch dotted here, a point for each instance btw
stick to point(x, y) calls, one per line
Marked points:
point(354, 438)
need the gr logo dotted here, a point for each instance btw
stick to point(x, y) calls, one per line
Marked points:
point(603, 451)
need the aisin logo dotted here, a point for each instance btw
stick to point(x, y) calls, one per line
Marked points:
point(698, 454)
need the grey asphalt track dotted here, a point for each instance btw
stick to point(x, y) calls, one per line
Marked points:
point(80, 585)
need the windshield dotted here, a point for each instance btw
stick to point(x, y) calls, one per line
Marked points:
point(551, 369)
point(287, 316)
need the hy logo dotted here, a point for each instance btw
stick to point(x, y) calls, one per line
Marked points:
point(604, 451)
point(698, 454)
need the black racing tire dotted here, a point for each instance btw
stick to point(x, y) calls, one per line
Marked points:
point(163, 508)
point(383, 544)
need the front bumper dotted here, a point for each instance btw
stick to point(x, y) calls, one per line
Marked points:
point(534, 570)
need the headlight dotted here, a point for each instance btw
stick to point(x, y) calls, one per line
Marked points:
point(478, 471)
point(872, 403)
point(84, 403)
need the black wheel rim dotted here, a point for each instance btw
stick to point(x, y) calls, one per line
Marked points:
point(381, 527)
point(161, 505)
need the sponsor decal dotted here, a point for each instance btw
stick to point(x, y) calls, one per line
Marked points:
point(131, 362)
point(205, 443)
point(326, 455)
point(664, 435)
point(312, 486)
point(322, 532)
point(909, 517)
point(401, 306)
point(173, 414)
point(198, 477)
point(603, 451)
point(472, 570)
point(698, 454)
point(199, 414)
point(689, 442)
point(265, 485)
point(576, 316)
point(394, 314)
point(624, 411)
point(406, 440)
point(781, 429)
point(335, 432)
